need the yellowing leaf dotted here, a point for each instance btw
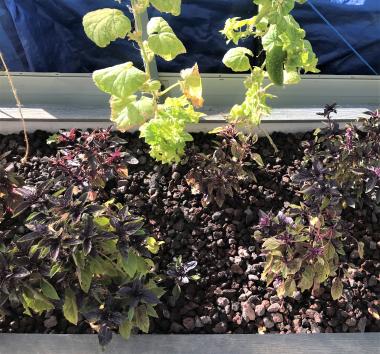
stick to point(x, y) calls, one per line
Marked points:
point(162, 40)
point(292, 78)
point(125, 329)
point(237, 59)
point(121, 80)
point(70, 307)
point(192, 85)
point(106, 25)
point(290, 287)
point(170, 6)
point(153, 245)
point(307, 278)
point(336, 288)
point(271, 243)
point(373, 311)
point(141, 318)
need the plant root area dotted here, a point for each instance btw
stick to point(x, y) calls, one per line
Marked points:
point(230, 296)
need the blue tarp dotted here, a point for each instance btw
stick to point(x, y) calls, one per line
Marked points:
point(47, 35)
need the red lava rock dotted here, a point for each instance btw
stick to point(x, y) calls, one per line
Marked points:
point(260, 310)
point(350, 322)
point(236, 269)
point(268, 323)
point(51, 322)
point(220, 328)
point(362, 324)
point(188, 323)
point(176, 327)
point(277, 317)
point(310, 313)
point(229, 293)
point(206, 320)
point(237, 319)
point(274, 307)
point(248, 312)
point(222, 301)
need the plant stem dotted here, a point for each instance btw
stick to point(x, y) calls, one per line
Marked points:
point(140, 30)
point(169, 89)
point(18, 104)
point(270, 140)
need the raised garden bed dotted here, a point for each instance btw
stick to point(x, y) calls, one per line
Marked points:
point(229, 297)
point(366, 343)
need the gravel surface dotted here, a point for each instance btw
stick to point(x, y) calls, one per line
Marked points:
point(229, 297)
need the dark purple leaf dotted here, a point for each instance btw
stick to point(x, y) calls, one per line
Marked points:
point(104, 335)
point(149, 297)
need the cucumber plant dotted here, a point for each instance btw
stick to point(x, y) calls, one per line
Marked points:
point(135, 95)
point(287, 54)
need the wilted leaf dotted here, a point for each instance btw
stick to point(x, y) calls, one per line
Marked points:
point(191, 85)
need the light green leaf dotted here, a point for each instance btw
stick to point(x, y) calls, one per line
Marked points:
point(162, 40)
point(133, 114)
point(106, 25)
point(85, 278)
point(125, 329)
point(271, 39)
point(48, 290)
point(36, 301)
point(170, 6)
point(151, 311)
point(70, 307)
point(336, 288)
point(237, 59)
point(121, 80)
point(56, 268)
point(102, 221)
point(130, 264)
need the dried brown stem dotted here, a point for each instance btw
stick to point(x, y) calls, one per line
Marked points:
point(18, 104)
